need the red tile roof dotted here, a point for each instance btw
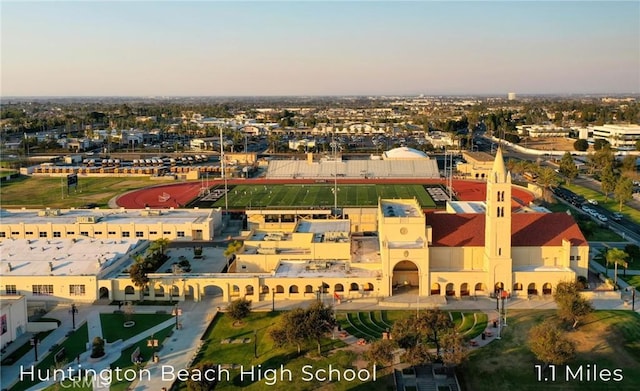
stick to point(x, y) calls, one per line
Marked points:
point(528, 229)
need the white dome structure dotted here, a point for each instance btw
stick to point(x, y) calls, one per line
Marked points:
point(404, 153)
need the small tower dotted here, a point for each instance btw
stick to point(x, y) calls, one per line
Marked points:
point(497, 231)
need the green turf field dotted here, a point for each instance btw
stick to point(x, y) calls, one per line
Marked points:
point(252, 196)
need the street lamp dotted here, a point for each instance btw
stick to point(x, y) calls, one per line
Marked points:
point(273, 299)
point(34, 342)
point(255, 343)
point(177, 311)
point(74, 311)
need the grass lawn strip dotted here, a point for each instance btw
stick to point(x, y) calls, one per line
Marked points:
point(113, 329)
point(353, 319)
point(479, 325)
point(377, 318)
point(611, 205)
point(73, 345)
point(467, 322)
point(347, 326)
point(365, 318)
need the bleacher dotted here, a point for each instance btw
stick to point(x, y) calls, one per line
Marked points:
point(426, 168)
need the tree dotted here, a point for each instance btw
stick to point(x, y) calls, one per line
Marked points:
point(616, 257)
point(418, 355)
point(623, 191)
point(572, 306)
point(203, 383)
point(547, 179)
point(607, 180)
point(549, 344)
point(97, 347)
point(159, 245)
point(568, 167)
point(239, 309)
point(426, 328)
point(454, 351)
point(319, 321)
point(600, 143)
point(581, 145)
point(231, 250)
point(638, 145)
point(381, 352)
point(138, 273)
point(633, 251)
point(629, 163)
point(291, 329)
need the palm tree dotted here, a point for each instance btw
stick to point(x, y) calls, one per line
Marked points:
point(159, 245)
point(617, 257)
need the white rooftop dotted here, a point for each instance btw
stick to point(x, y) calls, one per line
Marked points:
point(61, 257)
point(466, 206)
point(400, 209)
point(316, 226)
point(321, 269)
point(111, 216)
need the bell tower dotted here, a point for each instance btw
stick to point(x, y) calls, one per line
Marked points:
point(497, 231)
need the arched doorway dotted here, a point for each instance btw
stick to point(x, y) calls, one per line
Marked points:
point(188, 292)
point(464, 289)
point(405, 277)
point(103, 293)
point(450, 289)
point(212, 291)
point(531, 289)
point(435, 289)
point(546, 288)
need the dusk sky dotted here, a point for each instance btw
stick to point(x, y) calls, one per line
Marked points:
point(209, 48)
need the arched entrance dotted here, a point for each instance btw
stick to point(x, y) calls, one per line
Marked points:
point(405, 277)
point(212, 291)
point(188, 292)
point(103, 293)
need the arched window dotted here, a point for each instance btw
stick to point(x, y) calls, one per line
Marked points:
point(279, 289)
point(293, 289)
point(129, 290)
point(354, 287)
point(248, 290)
point(265, 289)
point(338, 288)
point(308, 289)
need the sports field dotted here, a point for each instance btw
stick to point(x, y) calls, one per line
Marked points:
point(270, 196)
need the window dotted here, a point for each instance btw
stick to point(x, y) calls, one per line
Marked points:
point(577, 257)
point(166, 232)
point(97, 233)
point(56, 234)
point(153, 232)
point(70, 233)
point(15, 233)
point(42, 234)
point(180, 234)
point(3, 235)
point(139, 234)
point(42, 290)
point(28, 233)
point(125, 234)
point(112, 232)
point(572, 258)
point(10, 290)
point(84, 233)
point(76, 290)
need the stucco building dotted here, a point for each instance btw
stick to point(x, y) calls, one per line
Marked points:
point(366, 253)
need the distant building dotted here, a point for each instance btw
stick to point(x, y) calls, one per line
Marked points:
point(477, 165)
point(548, 130)
point(623, 137)
point(511, 96)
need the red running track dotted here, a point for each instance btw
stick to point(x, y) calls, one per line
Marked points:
point(182, 193)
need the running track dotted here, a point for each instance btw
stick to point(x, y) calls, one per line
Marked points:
point(181, 194)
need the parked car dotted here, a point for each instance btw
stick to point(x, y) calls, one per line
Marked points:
point(592, 201)
point(617, 216)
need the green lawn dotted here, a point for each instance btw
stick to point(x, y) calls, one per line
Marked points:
point(633, 281)
point(269, 356)
point(74, 345)
point(38, 192)
point(244, 196)
point(609, 339)
point(113, 329)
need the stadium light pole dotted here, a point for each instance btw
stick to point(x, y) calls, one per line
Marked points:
point(224, 176)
